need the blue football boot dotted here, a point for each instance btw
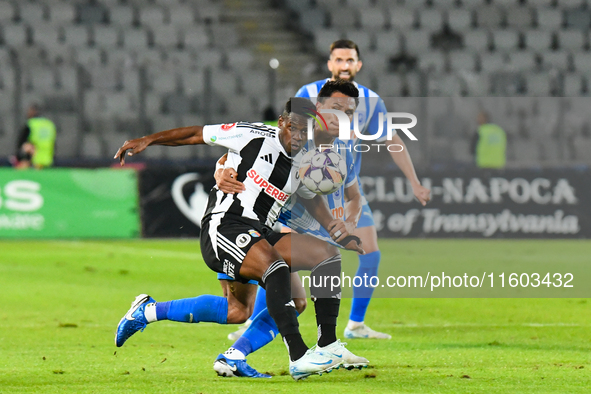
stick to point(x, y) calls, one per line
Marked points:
point(134, 320)
point(239, 368)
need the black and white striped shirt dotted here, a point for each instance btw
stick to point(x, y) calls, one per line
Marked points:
point(263, 166)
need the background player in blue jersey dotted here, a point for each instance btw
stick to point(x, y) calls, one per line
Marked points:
point(344, 63)
point(334, 95)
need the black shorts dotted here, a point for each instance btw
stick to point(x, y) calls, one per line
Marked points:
point(226, 239)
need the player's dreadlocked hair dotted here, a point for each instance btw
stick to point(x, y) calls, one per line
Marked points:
point(340, 85)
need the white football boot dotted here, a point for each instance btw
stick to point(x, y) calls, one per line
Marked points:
point(313, 362)
point(233, 336)
point(337, 350)
point(363, 331)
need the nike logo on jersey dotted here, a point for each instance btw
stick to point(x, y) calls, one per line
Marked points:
point(291, 303)
point(268, 158)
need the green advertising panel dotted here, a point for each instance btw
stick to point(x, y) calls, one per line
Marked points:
point(66, 203)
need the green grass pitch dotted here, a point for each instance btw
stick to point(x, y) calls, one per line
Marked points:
point(61, 301)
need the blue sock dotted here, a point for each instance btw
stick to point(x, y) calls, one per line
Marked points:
point(260, 303)
point(368, 265)
point(205, 308)
point(262, 331)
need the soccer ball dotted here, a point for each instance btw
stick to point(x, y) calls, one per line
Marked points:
point(323, 171)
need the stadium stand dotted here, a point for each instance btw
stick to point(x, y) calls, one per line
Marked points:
point(101, 65)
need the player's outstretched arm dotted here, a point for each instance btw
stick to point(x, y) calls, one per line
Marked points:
point(404, 162)
point(191, 135)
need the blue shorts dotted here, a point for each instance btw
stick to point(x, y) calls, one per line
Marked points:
point(366, 218)
point(226, 277)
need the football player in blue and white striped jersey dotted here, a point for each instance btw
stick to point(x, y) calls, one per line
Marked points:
point(344, 63)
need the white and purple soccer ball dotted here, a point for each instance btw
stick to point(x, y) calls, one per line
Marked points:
point(323, 171)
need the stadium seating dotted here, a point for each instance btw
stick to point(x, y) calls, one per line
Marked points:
point(7, 12)
point(506, 40)
point(431, 19)
point(539, 40)
point(462, 61)
point(121, 15)
point(47, 35)
point(77, 36)
point(68, 143)
point(522, 61)
point(460, 19)
point(417, 41)
point(62, 13)
point(33, 13)
point(582, 147)
point(572, 39)
point(372, 19)
point(15, 35)
point(388, 42)
point(549, 18)
point(181, 16)
point(151, 62)
point(403, 19)
point(92, 147)
point(477, 40)
point(572, 85)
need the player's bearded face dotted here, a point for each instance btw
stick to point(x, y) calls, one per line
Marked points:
point(340, 102)
point(344, 63)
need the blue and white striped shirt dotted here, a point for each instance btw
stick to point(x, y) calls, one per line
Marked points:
point(370, 106)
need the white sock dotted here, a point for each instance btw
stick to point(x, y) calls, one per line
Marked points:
point(354, 324)
point(234, 354)
point(150, 312)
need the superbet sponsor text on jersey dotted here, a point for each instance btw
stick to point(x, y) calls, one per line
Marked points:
point(267, 187)
point(263, 165)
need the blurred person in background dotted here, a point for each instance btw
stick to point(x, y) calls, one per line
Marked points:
point(36, 143)
point(489, 144)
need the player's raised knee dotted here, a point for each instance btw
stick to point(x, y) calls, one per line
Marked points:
point(300, 304)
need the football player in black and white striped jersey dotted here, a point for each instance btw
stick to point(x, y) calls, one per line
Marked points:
point(236, 238)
